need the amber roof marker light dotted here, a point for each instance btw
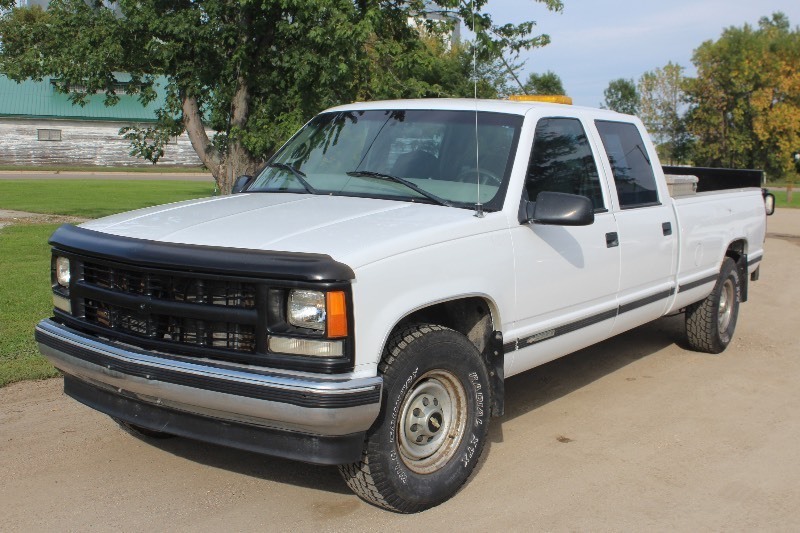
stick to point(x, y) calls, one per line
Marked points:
point(548, 98)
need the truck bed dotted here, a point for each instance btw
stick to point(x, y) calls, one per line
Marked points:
point(718, 179)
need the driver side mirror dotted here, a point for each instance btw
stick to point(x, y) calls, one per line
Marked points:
point(241, 183)
point(560, 209)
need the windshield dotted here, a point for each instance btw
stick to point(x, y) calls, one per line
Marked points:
point(363, 153)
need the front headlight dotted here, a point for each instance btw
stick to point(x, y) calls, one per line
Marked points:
point(60, 276)
point(307, 309)
point(326, 313)
point(62, 271)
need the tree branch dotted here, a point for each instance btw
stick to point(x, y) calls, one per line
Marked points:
point(193, 121)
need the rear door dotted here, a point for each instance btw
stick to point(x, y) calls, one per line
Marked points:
point(646, 225)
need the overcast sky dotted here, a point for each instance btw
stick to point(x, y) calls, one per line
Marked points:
point(594, 42)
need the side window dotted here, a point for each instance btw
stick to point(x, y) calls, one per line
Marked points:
point(633, 173)
point(562, 161)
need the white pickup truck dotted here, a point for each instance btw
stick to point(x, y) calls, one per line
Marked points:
point(360, 301)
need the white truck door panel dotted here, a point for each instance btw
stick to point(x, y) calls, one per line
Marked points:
point(566, 277)
point(647, 225)
point(647, 271)
point(567, 281)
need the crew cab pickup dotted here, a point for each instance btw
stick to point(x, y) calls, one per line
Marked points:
point(361, 300)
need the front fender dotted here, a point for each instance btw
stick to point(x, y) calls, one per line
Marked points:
point(387, 291)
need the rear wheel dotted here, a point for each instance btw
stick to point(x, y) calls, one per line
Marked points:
point(710, 323)
point(433, 424)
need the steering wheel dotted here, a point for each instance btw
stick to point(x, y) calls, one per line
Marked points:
point(486, 177)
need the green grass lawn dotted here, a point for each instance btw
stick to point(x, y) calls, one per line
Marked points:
point(780, 198)
point(95, 198)
point(92, 168)
point(25, 298)
point(25, 295)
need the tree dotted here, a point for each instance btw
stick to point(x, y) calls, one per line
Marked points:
point(250, 71)
point(745, 100)
point(661, 108)
point(621, 96)
point(445, 70)
point(547, 83)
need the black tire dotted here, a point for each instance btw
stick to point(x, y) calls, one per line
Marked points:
point(710, 323)
point(433, 423)
point(139, 431)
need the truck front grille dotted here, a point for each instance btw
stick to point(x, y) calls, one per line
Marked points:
point(171, 287)
point(166, 328)
point(180, 310)
point(193, 301)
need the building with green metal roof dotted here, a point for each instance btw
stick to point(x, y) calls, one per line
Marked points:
point(39, 99)
point(40, 126)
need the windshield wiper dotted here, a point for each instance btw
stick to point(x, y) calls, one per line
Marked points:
point(403, 181)
point(301, 177)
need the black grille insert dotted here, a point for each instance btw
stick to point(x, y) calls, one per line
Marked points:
point(171, 287)
point(187, 331)
point(134, 316)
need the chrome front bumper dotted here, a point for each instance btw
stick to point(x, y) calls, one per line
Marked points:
point(204, 399)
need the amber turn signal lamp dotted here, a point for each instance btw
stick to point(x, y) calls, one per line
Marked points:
point(337, 314)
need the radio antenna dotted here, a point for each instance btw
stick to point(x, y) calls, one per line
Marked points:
point(478, 205)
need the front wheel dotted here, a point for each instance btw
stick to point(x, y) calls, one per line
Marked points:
point(433, 425)
point(710, 323)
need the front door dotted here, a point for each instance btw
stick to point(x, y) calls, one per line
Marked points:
point(566, 277)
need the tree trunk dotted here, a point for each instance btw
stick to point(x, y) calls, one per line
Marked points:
point(193, 122)
point(237, 162)
point(224, 167)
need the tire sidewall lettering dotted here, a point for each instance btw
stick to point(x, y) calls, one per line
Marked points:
point(475, 380)
point(477, 387)
point(394, 459)
point(401, 394)
point(470, 451)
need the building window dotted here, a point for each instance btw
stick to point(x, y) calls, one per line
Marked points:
point(49, 135)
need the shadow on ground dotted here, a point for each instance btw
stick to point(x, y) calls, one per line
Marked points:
point(253, 464)
point(530, 390)
point(525, 393)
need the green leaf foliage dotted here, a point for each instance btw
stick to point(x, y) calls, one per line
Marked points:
point(243, 76)
point(547, 83)
point(745, 100)
point(621, 96)
point(662, 108)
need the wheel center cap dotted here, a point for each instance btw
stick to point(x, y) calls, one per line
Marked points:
point(434, 422)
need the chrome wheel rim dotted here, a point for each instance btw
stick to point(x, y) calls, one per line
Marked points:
point(432, 421)
point(727, 299)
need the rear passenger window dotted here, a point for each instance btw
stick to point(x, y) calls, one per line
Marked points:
point(562, 161)
point(633, 173)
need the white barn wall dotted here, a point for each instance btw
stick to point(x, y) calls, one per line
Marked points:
point(82, 143)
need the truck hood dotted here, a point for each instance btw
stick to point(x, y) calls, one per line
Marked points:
point(354, 231)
